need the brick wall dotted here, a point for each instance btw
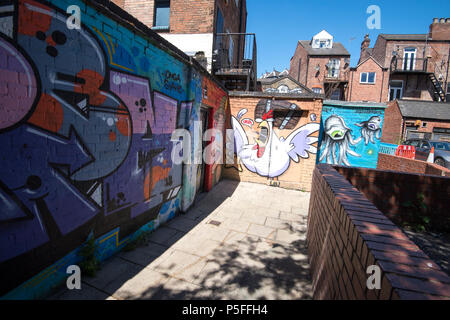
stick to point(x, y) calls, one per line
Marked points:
point(298, 175)
point(376, 92)
point(347, 233)
point(376, 184)
point(393, 122)
point(143, 10)
point(191, 16)
point(388, 162)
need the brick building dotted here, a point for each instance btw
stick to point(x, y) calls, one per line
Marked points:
point(406, 119)
point(322, 65)
point(404, 66)
point(212, 31)
point(367, 81)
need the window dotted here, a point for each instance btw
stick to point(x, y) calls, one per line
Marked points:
point(414, 143)
point(448, 92)
point(162, 14)
point(395, 90)
point(409, 59)
point(425, 145)
point(333, 68)
point(237, 3)
point(317, 90)
point(424, 124)
point(322, 44)
point(283, 89)
point(367, 77)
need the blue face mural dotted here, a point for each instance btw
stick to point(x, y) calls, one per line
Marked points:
point(87, 117)
point(350, 136)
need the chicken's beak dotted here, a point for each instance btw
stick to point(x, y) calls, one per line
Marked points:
point(264, 133)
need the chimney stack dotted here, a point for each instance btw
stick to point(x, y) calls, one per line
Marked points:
point(364, 45)
point(440, 29)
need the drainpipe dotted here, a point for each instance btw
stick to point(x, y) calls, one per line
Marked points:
point(307, 67)
point(382, 85)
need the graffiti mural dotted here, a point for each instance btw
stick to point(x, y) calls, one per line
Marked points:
point(87, 117)
point(263, 150)
point(349, 136)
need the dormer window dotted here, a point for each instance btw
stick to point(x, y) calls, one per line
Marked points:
point(322, 40)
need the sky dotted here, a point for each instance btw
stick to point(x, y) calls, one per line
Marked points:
point(279, 24)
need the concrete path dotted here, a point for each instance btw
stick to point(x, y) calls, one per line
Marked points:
point(241, 241)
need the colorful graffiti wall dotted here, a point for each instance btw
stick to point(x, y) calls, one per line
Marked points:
point(350, 134)
point(85, 133)
point(275, 140)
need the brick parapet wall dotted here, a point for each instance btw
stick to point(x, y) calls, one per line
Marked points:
point(389, 162)
point(347, 233)
point(376, 184)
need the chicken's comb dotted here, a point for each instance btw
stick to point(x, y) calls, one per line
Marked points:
point(268, 115)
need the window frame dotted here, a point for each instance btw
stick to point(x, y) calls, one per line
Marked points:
point(367, 78)
point(160, 27)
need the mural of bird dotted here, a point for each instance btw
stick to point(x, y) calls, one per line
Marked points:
point(271, 155)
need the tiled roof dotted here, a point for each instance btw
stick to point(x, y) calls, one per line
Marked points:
point(411, 37)
point(424, 109)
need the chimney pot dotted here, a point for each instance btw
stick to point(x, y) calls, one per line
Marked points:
point(435, 20)
point(442, 20)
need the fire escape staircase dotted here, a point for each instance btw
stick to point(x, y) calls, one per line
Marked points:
point(439, 93)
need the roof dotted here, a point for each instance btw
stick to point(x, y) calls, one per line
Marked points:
point(269, 81)
point(260, 94)
point(337, 50)
point(367, 58)
point(410, 37)
point(323, 34)
point(424, 109)
point(363, 104)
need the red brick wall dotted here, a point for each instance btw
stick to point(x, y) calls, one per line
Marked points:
point(299, 58)
point(377, 184)
point(191, 16)
point(440, 30)
point(376, 92)
point(388, 162)
point(140, 9)
point(347, 233)
point(392, 124)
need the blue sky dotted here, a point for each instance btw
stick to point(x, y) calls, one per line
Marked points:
point(279, 24)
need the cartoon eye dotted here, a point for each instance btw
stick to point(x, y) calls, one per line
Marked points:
point(143, 102)
point(51, 51)
point(40, 35)
point(59, 37)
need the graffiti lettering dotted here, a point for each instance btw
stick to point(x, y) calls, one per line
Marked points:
point(172, 81)
point(74, 21)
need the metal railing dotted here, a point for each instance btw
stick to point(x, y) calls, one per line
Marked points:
point(236, 53)
point(337, 75)
point(388, 148)
point(409, 65)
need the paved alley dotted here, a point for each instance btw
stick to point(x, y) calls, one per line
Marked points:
point(240, 241)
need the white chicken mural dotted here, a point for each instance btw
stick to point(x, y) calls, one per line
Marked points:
point(270, 155)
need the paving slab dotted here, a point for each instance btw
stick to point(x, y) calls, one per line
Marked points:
point(241, 241)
